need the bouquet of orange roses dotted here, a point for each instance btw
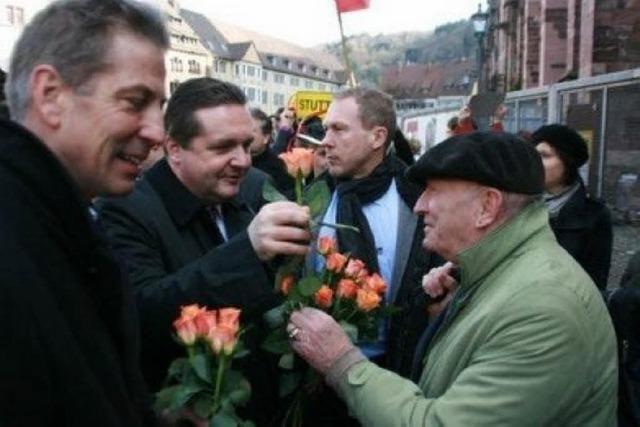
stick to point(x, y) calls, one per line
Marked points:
point(343, 288)
point(203, 382)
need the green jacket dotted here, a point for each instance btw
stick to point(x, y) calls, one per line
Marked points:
point(527, 342)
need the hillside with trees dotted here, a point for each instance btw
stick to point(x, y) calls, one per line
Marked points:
point(371, 54)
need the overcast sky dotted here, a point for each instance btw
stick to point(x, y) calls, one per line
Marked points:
point(312, 22)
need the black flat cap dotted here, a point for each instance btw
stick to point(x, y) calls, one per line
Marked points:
point(495, 159)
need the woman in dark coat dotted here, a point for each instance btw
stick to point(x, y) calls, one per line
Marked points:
point(581, 224)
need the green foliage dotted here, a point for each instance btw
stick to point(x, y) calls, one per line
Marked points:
point(271, 194)
point(371, 54)
point(277, 342)
point(317, 197)
point(309, 286)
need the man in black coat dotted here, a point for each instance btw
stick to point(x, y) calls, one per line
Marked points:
point(185, 236)
point(265, 159)
point(373, 194)
point(85, 91)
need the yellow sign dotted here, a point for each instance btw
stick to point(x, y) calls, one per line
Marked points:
point(310, 103)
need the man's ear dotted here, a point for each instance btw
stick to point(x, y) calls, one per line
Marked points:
point(173, 151)
point(48, 95)
point(379, 135)
point(491, 204)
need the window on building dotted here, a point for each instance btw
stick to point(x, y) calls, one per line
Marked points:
point(278, 78)
point(15, 15)
point(194, 66)
point(251, 94)
point(244, 70)
point(302, 67)
point(265, 97)
point(251, 70)
point(322, 86)
point(221, 66)
point(294, 81)
point(173, 86)
point(278, 99)
point(237, 69)
point(265, 75)
point(286, 63)
point(308, 84)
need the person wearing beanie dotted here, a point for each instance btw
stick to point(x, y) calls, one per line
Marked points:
point(581, 224)
point(522, 338)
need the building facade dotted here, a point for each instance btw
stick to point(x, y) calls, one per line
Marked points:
point(268, 70)
point(533, 43)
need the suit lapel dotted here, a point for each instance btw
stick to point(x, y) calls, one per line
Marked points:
point(406, 228)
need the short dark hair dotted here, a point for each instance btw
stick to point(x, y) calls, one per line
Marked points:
point(452, 123)
point(266, 127)
point(375, 108)
point(74, 37)
point(204, 92)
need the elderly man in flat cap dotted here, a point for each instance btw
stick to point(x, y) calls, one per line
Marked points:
point(525, 338)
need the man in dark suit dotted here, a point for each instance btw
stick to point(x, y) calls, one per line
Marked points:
point(373, 194)
point(184, 235)
point(85, 91)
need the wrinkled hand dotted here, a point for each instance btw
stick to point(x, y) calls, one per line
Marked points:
point(464, 113)
point(438, 283)
point(280, 228)
point(320, 340)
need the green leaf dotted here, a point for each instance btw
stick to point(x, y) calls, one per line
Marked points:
point(183, 396)
point(241, 395)
point(289, 382)
point(165, 397)
point(351, 331)
point(309, 285)
point(317, 197)
point(271, 194)
point(277, 342)
point(202, 405)
point(223, 420)
point(200, 365)
point(177, 368)
point(286, 361)
point(274, 317)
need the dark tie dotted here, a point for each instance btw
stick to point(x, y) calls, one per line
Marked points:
point(212, 226)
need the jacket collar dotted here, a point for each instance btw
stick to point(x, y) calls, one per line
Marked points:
point(52, 185)
point(485, 256)
point(572, 215)
point(181, 203)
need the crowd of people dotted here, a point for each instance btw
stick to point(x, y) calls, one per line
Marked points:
point(117, 210)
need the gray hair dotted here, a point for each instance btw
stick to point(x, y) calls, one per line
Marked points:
point(375, 108)
point(514, 203)
point(74, 37)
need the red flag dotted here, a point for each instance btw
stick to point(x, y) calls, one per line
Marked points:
point(351, 5)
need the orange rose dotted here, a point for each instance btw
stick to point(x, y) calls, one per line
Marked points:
point(223, 338)
point(186, 330)
point(298, 159)
point(191, 311)
point(229, 317)
point(286, 284)
point(367, 300)
point(204, 322)
point(335, 262)
point(324, 297)
point(326, 245)
point(356, 269)
point(347, 288)
point(376, 284)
